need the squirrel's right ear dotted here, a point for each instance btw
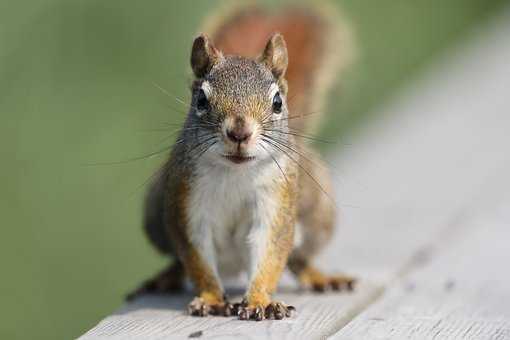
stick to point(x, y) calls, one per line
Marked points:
point(275, 55)
point(203, 55)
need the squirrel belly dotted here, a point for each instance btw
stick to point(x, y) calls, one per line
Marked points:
point(237, 207)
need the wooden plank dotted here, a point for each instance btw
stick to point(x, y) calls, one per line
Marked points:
point(162, 317)
point(409, 181)
point(462, 294)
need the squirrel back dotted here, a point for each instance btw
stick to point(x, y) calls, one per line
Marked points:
point(318, 43)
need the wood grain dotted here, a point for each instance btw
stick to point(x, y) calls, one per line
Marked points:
point(462, 294)
point(163, 317)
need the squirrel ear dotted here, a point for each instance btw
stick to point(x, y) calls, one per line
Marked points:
point(275, 55)
point(203, 55)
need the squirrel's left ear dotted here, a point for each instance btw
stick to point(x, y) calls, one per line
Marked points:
point(275, 55)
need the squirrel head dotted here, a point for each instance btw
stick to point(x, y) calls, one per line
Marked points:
point(239, 104)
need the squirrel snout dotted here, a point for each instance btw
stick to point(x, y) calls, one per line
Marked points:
point(239, 134)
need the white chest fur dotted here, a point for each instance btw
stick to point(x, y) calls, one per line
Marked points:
point(230, 211)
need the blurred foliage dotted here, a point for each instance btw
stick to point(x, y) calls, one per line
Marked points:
point(77, 87)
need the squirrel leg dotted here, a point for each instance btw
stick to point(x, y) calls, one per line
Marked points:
point(270, 247)
point(169, 280)
point(193, 243)
point(316, 223)
point(201, 269)
point(210, 299)
point(312, 278)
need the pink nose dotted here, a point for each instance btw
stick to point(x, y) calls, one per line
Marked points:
point(239, 135)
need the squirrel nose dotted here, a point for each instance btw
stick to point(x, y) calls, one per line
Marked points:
point(239, 135)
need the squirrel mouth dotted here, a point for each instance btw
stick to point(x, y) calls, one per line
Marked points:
point(238, 159)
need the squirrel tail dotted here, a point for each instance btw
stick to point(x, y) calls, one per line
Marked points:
point(319, 44)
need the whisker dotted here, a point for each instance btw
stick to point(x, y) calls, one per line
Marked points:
point(294, 117)
point(274, 159)
point(201, 143)
point(150, 178)
point(284, 144)
point(150, 155)
point(266, 117)
point(305, 170)
point(164, 129)
point(179, 100)
point(214, 123)
point(305, 133)
point(207, 149)
point(302, 136)
point(169, 94)
point(134, 159)
point(173, 133)
point(177, 110)
point(327, 164)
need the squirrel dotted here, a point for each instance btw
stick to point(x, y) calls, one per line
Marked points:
point(240, 190)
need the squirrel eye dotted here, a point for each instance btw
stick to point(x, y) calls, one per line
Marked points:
point(277, 103)
point(202, 102)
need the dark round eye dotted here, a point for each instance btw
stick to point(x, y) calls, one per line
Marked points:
point(277, 103)
point(202, 102)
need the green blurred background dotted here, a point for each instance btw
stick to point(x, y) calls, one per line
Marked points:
point(76, 87)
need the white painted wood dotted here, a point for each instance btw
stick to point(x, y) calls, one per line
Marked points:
point(462, 294)
point(411, 176)
point(163, 318)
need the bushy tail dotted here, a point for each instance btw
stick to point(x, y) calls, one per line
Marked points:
point(318, 41)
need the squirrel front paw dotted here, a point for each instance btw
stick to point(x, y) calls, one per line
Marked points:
point(199, 307)
point(273, 311)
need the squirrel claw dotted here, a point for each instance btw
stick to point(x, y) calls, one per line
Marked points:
point(273, 311)
point(198, 307)
point(336, 283)
point(342, 283)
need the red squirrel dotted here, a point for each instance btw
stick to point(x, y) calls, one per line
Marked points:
point(240, 191)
